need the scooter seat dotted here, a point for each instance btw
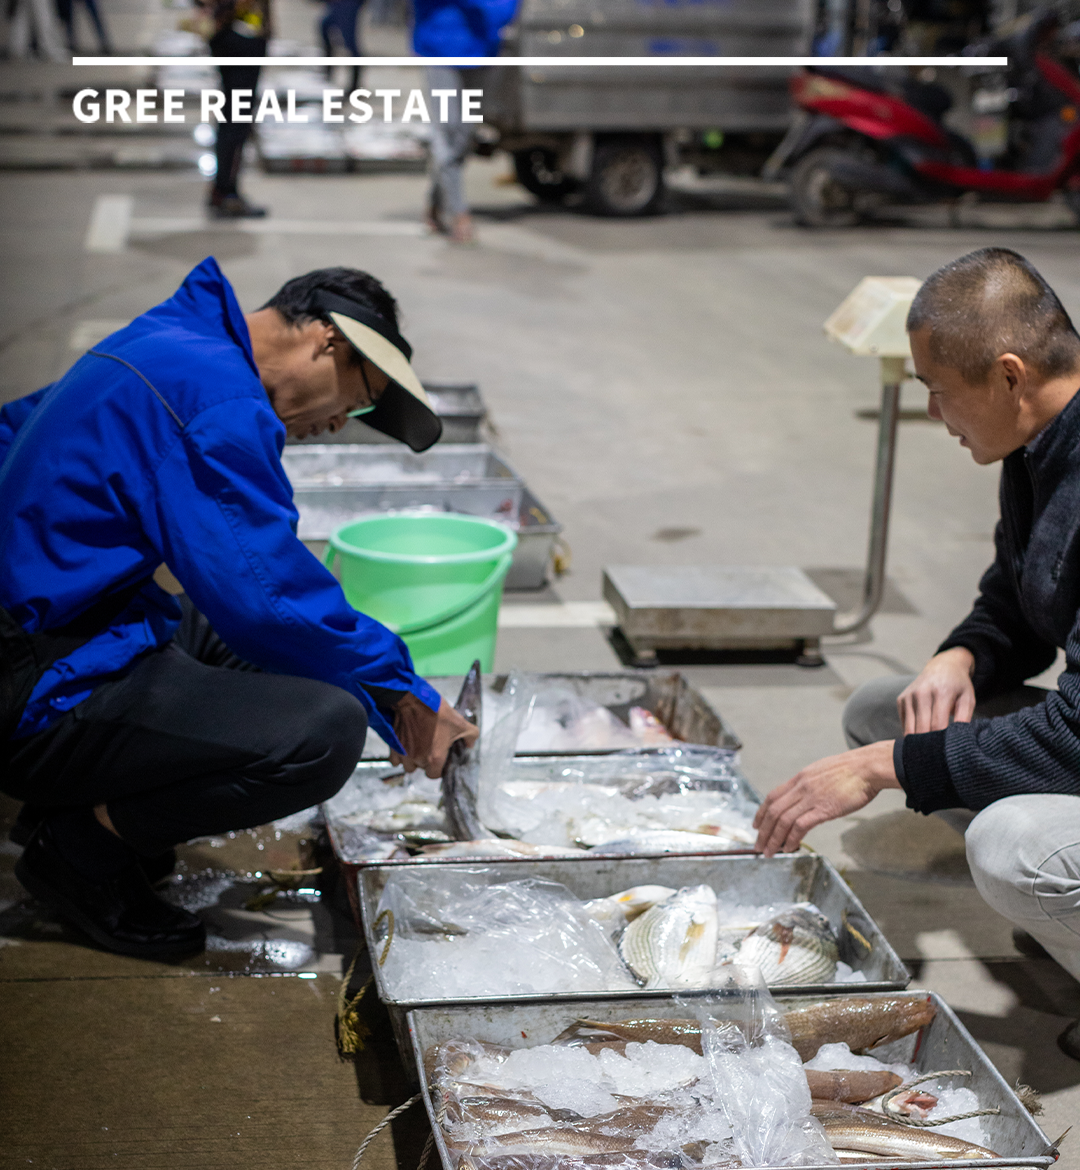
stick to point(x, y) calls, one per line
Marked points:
point(927, 97)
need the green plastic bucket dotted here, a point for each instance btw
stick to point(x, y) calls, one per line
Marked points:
point(435, 578)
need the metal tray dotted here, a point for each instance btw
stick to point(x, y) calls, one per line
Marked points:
point(798, 877)
point(537, 533)
point(345, 838)
point(334, 483)
point(676, 702)
point(944, 1044)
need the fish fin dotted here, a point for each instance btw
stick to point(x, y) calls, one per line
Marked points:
point(1055, 1146)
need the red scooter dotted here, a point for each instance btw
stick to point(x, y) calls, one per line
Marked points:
point(868, 137)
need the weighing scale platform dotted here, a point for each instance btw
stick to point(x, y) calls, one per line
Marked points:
point(719, 607)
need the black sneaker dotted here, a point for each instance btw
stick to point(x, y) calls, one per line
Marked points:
point(234, 207)
point(156, 868)
point(121, 914)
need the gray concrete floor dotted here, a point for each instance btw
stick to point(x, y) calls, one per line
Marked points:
point(645, 377)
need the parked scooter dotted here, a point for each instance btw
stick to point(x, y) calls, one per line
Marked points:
point(868, 137)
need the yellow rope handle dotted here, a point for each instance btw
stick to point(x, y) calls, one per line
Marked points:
point(350, 1031)
point(389, 916)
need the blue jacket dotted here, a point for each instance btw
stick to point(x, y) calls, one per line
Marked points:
point(173, 453)
point(460, 28)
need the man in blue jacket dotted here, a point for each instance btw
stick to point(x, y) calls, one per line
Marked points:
point(454, 28)
point(965, 737)
point(129, 720)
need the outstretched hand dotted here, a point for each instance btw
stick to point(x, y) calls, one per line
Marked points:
point(428, 749)
point(833, 787)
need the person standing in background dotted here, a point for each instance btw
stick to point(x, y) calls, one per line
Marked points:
point(454, 28)
point(66, 11)
point(342, 17)
point(234, 28)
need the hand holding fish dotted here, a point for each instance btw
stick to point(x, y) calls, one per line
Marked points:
point(833, 787)
point(942, 693)
point(427, 740)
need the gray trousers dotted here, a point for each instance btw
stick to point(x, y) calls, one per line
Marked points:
point(1024, 851)
point(451, 141)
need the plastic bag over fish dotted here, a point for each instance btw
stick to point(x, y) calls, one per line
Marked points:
point(465, 937)
point(758, 1079)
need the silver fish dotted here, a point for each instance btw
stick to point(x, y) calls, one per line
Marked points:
point(850, 1128)
point(567, 1142)
point(671, 841)
point(797, 946)
point(497, 847)
point(673, 944)
point(461, 773)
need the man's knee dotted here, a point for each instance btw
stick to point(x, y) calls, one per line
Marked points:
point(1024, 854)
point(870, 714)
point(335, 726)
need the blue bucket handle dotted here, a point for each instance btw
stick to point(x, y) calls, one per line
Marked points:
point(502, 567)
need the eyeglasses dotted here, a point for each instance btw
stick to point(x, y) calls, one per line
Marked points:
point(367, 386)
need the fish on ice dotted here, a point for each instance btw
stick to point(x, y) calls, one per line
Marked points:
point(857, 1022)
point(673, 944)
point(849, 1127)
point(626, 905)
point(795, 946)
point(461, 774)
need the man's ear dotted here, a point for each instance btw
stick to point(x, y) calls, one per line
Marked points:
point(1015, 372)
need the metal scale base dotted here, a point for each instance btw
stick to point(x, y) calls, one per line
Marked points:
point(719, 607)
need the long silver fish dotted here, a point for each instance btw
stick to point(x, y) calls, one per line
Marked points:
point(673, 944)
point(462, 771)
point(850, 1128)
point(797, 946)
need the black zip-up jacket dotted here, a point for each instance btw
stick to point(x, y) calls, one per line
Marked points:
point(1028, 606)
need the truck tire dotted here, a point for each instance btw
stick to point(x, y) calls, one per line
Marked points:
point(537, 170)
point(817, 199)
point(627, 177)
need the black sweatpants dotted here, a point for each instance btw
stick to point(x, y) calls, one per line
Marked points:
point(193, 741)
point(231, 136)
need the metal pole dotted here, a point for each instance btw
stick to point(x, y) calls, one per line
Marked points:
point(892, 377)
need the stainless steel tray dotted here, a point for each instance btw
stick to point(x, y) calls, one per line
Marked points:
point(676, 702)
point(334, 483)
point(944, 1044)
point(347, 840)
point(799, 877)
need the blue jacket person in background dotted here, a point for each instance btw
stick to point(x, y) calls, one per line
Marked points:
point(454, 28)
point(131, 720)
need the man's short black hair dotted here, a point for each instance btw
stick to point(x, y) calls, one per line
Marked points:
point(295, 300)
point(991, 302)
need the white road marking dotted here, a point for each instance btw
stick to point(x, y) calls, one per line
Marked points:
point(571, 614)
point(174, 225)
point(110, 222)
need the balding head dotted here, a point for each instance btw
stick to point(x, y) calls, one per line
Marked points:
point(992, 302)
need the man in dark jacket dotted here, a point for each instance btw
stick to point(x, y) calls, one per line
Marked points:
point(1001, 361)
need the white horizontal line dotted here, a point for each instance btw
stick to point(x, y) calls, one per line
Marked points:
point(163, 225)
point(548, 62)
point(578, 614)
